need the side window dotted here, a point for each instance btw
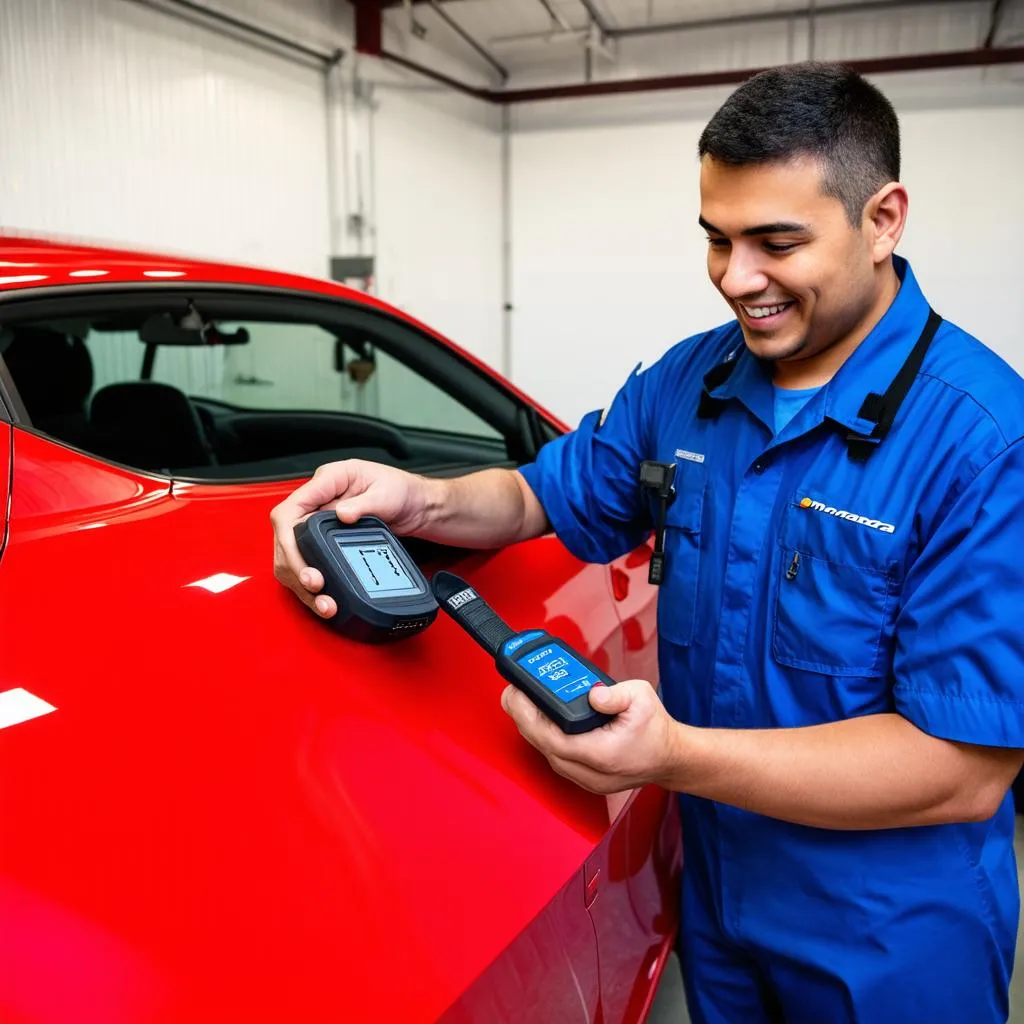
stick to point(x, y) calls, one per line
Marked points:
point(215, 394)
point(305, 367)
point(406, 398)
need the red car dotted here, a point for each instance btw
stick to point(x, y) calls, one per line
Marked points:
point(213, 806)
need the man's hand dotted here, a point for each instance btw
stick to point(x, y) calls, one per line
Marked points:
point(353, 488)
point(638, 746)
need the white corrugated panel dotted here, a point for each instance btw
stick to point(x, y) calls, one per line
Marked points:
point(609, 262)
point(438, 212)
point(124, 124)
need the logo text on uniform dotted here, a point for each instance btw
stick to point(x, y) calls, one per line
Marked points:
point(682, 453)
point(852, 517)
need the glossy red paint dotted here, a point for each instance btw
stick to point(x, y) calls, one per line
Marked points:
point(236, 814)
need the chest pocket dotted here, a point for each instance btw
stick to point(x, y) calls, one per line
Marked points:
point(836, 596)
point(677, 595)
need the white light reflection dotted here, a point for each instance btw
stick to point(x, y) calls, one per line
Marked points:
point(88, 273)
point(10, 263)
point(20, 278)
point(219, 582)
point(163, 273)
point(18, 705)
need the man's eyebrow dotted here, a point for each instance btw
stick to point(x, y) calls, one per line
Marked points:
point(779, 228)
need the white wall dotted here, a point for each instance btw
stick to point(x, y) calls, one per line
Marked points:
point(127, 125)
point(608, 260)
point(123, 124)
point(438, 212)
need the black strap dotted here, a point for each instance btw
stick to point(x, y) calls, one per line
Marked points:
point(882, 409)
point(709, 406)
point(659, 479)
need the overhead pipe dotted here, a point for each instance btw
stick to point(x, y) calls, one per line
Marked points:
point(240, 30)
point(488, 95)
point(556, 16)
point(983, 57)
point(993, 27)
point(595, 17)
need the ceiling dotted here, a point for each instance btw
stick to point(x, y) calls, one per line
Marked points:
point(506, 38)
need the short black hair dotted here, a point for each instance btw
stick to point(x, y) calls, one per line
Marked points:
point(825, 111)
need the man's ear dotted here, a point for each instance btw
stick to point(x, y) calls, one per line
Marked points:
point(885, 217)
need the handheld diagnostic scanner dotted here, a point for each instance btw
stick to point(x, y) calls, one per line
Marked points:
point(379, 590)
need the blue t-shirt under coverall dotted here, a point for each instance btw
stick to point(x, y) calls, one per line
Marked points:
point(911, 603)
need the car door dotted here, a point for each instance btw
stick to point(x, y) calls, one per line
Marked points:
point(295, 738)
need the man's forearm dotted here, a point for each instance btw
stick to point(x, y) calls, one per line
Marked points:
point(488, 509)
point(878, 771)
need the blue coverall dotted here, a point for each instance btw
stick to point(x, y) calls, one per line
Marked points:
point(803, 586)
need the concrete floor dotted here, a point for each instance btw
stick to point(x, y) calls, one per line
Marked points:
point(670, 1005)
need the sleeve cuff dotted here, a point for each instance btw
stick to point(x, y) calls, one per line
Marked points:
point(984, 720)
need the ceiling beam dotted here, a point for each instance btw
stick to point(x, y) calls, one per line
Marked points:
point(868, 66)
point(982, 57)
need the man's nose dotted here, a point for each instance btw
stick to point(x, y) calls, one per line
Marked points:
point(744, 274)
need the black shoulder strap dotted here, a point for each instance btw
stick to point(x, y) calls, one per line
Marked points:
point(881, 409)
point(709, 406)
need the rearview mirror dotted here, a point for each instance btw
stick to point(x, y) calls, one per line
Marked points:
point(160, 329)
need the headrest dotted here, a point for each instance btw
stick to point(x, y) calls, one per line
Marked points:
point(52, 371)
point(138, 400)
point(148, 425)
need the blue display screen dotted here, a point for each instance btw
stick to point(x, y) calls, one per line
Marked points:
point(559, 671)
point(378, 569)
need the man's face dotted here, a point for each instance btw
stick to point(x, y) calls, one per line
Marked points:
point(798, 276)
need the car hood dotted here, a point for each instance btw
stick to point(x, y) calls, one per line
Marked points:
point(235, 813)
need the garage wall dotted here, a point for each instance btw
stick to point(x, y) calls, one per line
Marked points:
point(438, 212)
point(124, 124)
point(608, 261)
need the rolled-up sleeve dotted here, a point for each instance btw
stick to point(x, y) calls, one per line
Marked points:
point(588, 481)
point(959, 660)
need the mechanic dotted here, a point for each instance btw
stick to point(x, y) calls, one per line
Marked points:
point(840, 642)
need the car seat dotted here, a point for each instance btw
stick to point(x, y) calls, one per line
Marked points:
point(54, 375)
point(148, 425)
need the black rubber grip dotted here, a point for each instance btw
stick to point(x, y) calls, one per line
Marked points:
point(459, 600)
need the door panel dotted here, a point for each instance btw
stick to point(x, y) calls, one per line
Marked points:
point(633, 894)
point(548, 975)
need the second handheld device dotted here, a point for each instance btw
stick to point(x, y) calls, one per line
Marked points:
point(555, 677)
